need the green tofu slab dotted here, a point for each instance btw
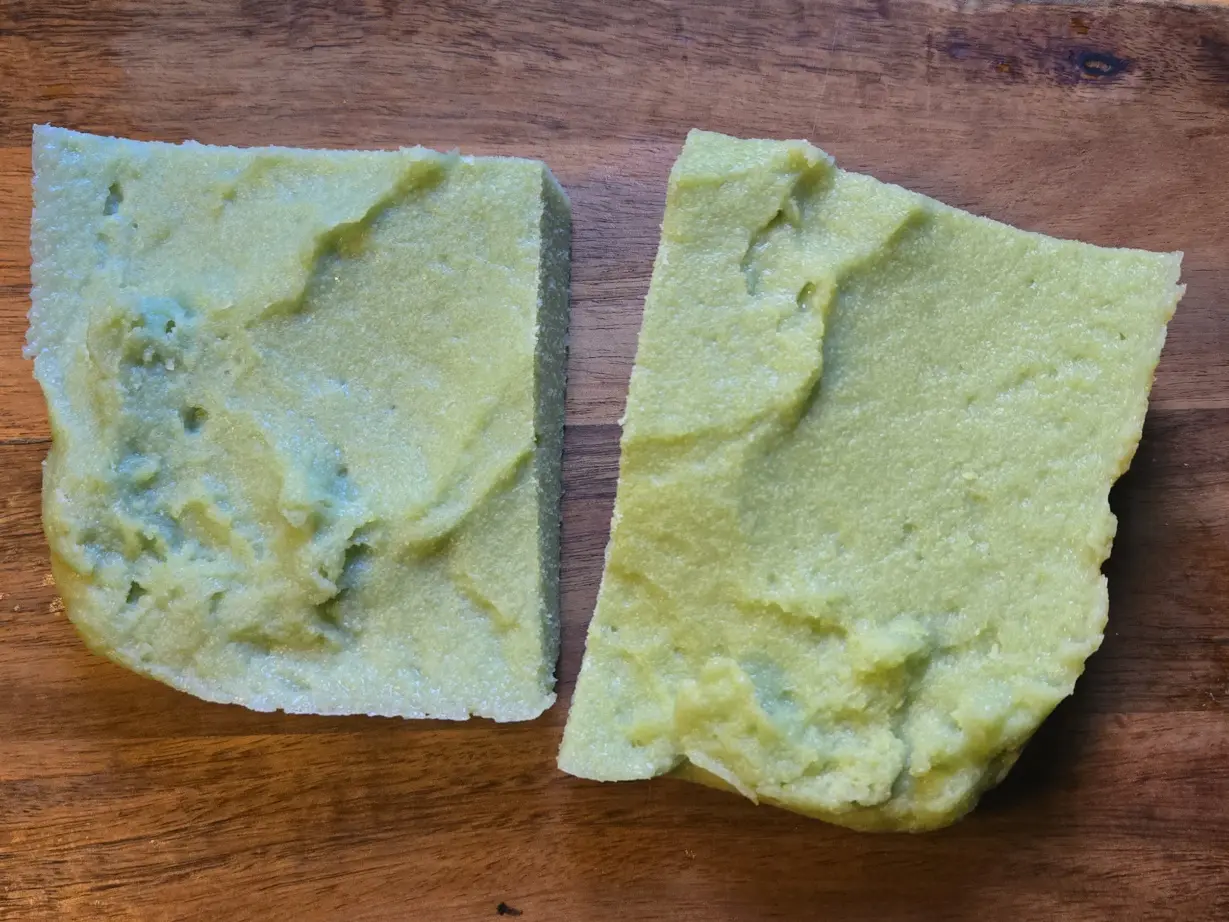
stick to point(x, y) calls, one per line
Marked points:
point(307, 412)
point(862, 503)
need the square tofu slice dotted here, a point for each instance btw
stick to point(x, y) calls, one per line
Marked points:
point(862, 501)
point(307, 412)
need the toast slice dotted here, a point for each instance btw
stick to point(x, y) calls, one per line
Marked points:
point(307, 411)
point(862, 501)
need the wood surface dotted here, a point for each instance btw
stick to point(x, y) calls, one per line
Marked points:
point(122, 799)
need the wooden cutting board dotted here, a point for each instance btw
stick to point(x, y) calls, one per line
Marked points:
point(122, 799)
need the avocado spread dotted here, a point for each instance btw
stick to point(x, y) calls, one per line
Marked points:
point(307, 416)
point(862, 502)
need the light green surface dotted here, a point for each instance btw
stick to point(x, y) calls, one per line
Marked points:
point(307, 410)
point(862, 501)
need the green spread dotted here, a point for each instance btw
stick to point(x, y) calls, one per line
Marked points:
point(862, 501)
point(307, 416)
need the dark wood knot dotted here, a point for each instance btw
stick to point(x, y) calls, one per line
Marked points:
point(1100, 65)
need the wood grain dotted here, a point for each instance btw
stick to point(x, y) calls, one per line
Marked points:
point(121, 799)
